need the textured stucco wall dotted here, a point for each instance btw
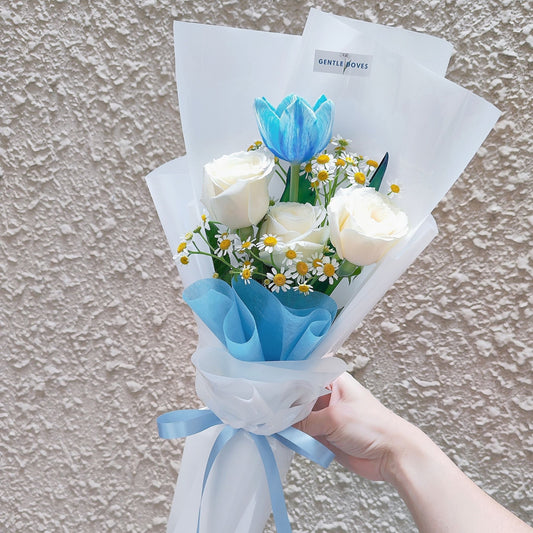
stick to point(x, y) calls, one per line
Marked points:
point(95, 341)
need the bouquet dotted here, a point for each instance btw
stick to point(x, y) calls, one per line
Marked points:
point(285, 246)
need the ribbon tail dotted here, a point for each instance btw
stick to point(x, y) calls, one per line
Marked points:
point(275, 487)
point(224, 437)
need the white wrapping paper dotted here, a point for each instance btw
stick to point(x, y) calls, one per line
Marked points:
point(430, 127)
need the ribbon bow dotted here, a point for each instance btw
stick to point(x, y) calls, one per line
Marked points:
point(178, 424)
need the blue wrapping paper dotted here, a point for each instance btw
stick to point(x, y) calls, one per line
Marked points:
point(257, 325)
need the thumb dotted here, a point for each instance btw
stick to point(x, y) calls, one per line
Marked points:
point(316, 424)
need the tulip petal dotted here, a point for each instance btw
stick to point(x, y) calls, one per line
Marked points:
point(319, 102)
point(297, 124)
point(324, 123)
point(288, 100)
point(269, 125)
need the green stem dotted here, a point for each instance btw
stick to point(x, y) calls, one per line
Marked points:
point(282, 178)
point(220, 258)
point(295, 182)
point(206, 241)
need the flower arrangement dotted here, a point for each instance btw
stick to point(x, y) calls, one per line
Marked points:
point(292, 229)
point(329, 221)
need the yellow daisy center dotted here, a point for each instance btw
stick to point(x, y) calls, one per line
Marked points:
point(329, 270)
point(246, 273)
point(317, 262)
point(395, 188)
point(372, 163)
point(204, 218)
point(258, 143)
point(279, 279)
point(270, 241)
point(302, 268)
point(290, 254)
point(360, 178)
point(304, 288)
point(224, 244)
point(340, 162)
point(251, 147)
point(323, 175)
point(247, 264)
point(322, 159)
point(246, 244)
point(183, 245)
point(308, 168)
point(184, 260)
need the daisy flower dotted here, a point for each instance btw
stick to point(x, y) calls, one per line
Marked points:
point(352, 159)
point(278, 280)
point(394, 189)
point(307, 167)
point(340, 161)
point(181, 251)
point(304, 288)
point(268, 243)
point(322, 159)
point(245, 246)
point(323, 174)
point(224, 244)
point(291, 256)
point(246, 272)
point(182, 255)
point(340, 142)
point(301, 271)
point(316, 262)
point(355, 176)
point(328, 270)
point(182, 247)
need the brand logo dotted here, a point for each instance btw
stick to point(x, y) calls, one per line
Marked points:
point(342, 63)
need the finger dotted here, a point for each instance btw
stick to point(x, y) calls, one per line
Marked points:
point(346, 387)
point(317, 423)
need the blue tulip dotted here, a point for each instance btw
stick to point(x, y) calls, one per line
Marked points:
point(295, 131)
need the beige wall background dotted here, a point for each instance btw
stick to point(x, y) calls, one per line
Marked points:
point(95, 340)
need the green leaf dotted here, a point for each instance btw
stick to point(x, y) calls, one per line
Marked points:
point(377, 177)
point(347, 269)
point(245, 233)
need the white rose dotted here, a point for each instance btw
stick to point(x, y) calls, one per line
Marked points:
point(364, 224)
point(235, 188)
point(298, 226)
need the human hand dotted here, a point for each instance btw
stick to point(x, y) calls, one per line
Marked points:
point(356, 427)
point(375, 443)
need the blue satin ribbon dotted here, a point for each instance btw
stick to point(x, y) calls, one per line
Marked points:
point(178, 424)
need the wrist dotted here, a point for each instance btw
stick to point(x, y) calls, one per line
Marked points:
point(409, 449)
